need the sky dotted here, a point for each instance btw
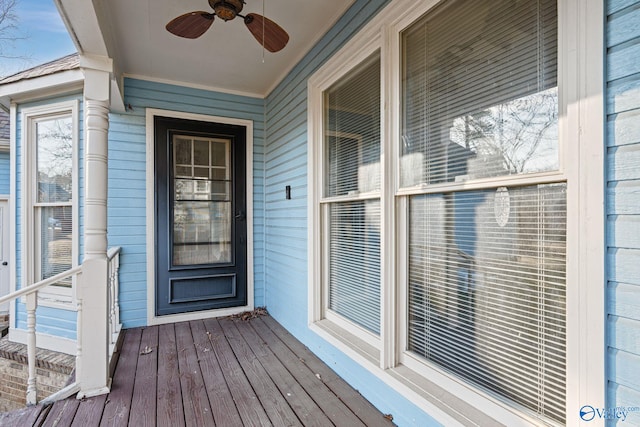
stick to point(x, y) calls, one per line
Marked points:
point(45, 37)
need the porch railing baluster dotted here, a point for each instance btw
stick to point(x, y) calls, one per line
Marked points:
point(32, 304)
point(31, 295)
point(113, 257)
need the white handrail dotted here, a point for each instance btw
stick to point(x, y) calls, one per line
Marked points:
point(41, 284)
point(31, 293)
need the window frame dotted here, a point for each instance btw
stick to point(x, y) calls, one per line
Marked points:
point(581, 132)
point(368, 343)
point(52, 296)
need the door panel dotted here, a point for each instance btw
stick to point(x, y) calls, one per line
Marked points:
point(201, 254)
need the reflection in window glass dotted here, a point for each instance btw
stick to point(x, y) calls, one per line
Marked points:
point(54, 197)
point(480, 92)
point(202, 201)
point(486, 268)
point(487, 290)
point(352, 131)
point(56, 241)
point(54, 159)
point(354, 262)
point(351, 150)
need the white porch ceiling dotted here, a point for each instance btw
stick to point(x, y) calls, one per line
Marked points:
point(225, 58)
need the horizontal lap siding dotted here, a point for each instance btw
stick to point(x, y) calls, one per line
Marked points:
point(286, 220)
point(127, 180)
point(623, 204)
point(286, 164)
point(4, 173)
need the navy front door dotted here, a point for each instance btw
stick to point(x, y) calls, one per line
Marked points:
point(201, 233)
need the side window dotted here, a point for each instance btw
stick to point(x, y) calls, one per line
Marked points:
point(351, 197)
point(54, 196)
point(50, 197)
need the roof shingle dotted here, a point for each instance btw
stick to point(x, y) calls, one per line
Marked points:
point(4, 126)
point(65, 63)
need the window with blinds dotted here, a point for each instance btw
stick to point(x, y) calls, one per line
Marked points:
point(480, 91)
point(54, 197)
point(487, 290)
point(486, 267)
point(351, 202)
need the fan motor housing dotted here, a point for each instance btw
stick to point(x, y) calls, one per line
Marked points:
point(226, 9)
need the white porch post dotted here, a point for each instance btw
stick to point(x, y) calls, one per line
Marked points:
point(92, 370)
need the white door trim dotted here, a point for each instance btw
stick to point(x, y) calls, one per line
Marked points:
point(152, 319)
point(5, 254)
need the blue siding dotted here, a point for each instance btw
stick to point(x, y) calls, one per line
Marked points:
point(4, 172)
point(127, 180)
point(286, 220)
point(623, 203)
point(50, 321)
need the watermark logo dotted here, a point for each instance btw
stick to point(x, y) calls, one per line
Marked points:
point(589, 413)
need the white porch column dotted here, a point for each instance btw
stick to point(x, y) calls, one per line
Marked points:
point(92, 369)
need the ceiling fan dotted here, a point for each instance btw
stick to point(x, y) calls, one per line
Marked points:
point(193, 24)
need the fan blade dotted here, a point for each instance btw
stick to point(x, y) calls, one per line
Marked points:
point(191, 25)
point(275, 38)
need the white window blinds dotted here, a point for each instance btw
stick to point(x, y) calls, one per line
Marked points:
point(54, 197)
point(352, 132)
point(480, 97)
point(487, 290)
point(352, 195)
point(354, 267)
point(486, 268)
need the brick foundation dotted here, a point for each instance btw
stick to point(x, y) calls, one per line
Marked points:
point(53, 370)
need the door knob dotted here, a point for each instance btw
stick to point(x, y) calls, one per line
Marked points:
point(5, 263)
point(240, 215)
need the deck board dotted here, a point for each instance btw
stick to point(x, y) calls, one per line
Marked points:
point(251, 412)
point(26, 416)
point(62, 413)
point(197, 411)
point(222, 372)
point(143, 402)
point(275, 405)
point(89, 412)
point(117, 407)
point(310, 379)
point(305, 408)
point(355, 402)
point(170, 411)
point(223, 407)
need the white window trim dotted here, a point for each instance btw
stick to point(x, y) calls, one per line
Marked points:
point(318, 303)
point(581, 65)
point(57, 297)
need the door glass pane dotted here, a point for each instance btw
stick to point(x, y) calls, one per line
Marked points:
point(182, 152)
point(202, 204)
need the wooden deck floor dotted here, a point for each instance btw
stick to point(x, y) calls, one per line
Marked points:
point(223, 372)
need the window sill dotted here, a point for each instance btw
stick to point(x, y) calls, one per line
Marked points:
point(355, 347)
point(442, 404)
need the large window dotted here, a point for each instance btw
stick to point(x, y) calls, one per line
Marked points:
point(454, 214)
point(486, 268)
point(50, 192)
